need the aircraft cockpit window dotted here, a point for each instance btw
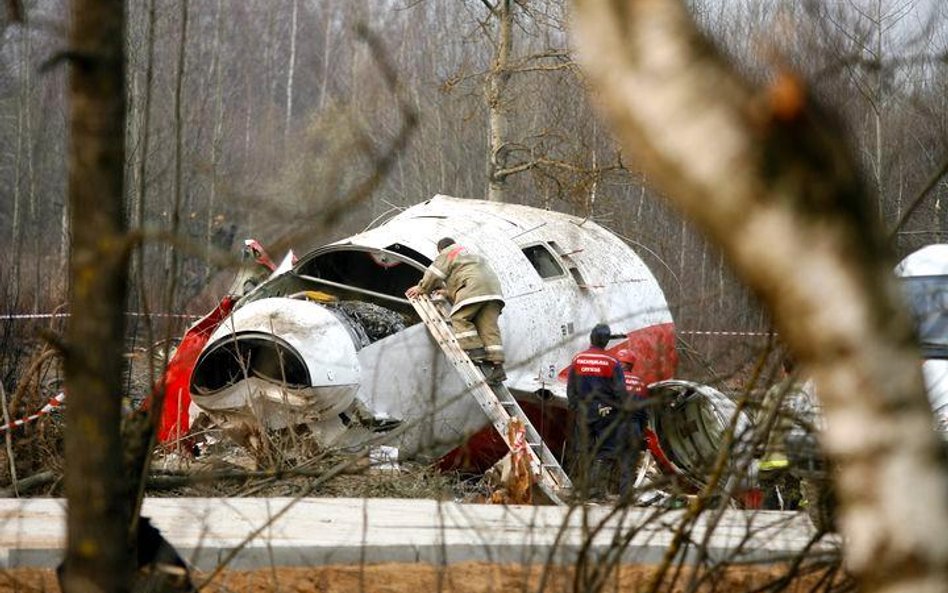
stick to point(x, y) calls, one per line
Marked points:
point(567, 258)
point(543, 261)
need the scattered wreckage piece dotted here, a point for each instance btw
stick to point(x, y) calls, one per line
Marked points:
point(686, 427)
point(511, 479)
point(923, 277)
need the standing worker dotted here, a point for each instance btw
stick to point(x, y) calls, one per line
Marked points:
point(605, 431)
point(637, 414)
point(473, 288)
point(638, 393)
point(775, 421)
point(633, 383)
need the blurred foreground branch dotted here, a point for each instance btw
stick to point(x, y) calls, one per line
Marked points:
point(765, 174)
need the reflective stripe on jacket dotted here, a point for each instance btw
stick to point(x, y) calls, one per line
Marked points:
point(466, 277)
point(638, 391)
point(635, 386)
point(595, 380)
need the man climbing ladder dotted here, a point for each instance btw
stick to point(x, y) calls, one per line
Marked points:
point(473, 288)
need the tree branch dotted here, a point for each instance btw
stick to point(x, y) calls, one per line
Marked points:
point(566, 165)
point(489, 6)
point(919, 198)
point(543, 68)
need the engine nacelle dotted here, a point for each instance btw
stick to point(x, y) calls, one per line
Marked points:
point(277, 362)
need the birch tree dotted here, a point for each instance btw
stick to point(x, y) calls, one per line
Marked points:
point(291, 70)
point(498, 103)
point(764, 173)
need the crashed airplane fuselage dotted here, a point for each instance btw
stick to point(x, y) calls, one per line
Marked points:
point(333, 343)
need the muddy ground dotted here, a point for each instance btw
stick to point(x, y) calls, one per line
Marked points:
point(471, 577)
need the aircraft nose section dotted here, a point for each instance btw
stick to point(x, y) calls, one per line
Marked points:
point(277, 361)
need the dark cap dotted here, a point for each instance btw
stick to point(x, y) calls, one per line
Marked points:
point(600, 335)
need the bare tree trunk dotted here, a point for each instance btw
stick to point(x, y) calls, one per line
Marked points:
point(291, 70)
point(21, 140)
point(30, 151)
point(498, 111)
point(765, 176)
point(97, 554)
point(327, 48)
point(876, 104)
point(141, 190)
point(63, 269)
point(172, 265)
point(442, 158)
point(17, 213)
point(218, 133)
point(721, 310)
point(133, 152)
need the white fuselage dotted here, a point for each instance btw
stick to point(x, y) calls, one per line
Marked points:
point(590, 277)
point(928, 267)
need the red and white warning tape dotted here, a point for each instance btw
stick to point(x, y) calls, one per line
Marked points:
point(49, 407)
point(19, 316)
point(730, 334)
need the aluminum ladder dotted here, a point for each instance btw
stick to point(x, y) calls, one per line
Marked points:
point(497, 402)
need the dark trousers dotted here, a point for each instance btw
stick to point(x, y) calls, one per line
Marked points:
point(603, 445)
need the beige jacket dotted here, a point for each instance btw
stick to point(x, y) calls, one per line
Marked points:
point(466, 277)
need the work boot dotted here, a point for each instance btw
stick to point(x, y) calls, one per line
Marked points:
point(477, 355)
point(495, 374)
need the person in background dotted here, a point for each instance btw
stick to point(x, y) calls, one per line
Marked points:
point(635, 406)
point(635, 416)
point(633, 383)
point(775, 421)
point(473, 288)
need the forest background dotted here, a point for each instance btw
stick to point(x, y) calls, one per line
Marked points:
point(251, 118)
